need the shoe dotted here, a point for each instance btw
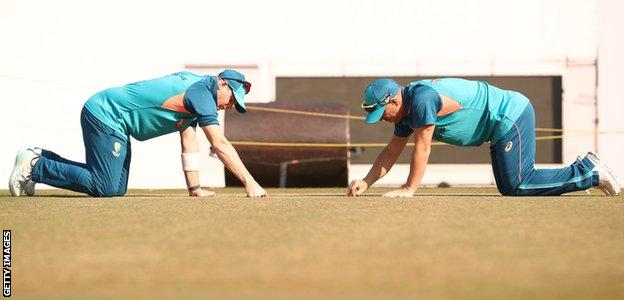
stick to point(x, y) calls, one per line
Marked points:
point(22, 171)
point(607, 181)
point(29, 187)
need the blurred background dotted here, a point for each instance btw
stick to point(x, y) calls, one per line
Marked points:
point(314, 56)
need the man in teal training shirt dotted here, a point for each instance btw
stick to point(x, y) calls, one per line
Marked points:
point(144, 110)
point(469, 113)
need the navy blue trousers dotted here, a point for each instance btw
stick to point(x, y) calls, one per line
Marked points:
point(107, 166)
point(513, 161)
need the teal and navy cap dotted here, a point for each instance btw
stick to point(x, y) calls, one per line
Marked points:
point(239, 87)
point(376, 96)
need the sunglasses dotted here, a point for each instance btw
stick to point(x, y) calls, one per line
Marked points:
point(371, 107)
point(246, 84)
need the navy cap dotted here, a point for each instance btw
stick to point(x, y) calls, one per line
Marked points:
point(239, 87)
point(376, 95)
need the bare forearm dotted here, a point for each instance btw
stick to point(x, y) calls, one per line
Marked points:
point(382, 165)
point(420, 158)
point(228, 155)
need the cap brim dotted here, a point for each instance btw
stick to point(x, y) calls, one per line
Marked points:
point(374, 116)
point(239, 94)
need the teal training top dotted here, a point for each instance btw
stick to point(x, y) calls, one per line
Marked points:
point(486, 112)
point(151, 108)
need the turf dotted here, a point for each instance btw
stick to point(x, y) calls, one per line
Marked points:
point(465, 243)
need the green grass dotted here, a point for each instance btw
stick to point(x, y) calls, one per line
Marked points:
point(463, 243)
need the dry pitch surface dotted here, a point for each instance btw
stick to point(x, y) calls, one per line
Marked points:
point(464, 243)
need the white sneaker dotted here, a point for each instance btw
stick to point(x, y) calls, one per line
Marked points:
point(22, 171)
point(29, 187)
point(607, 181)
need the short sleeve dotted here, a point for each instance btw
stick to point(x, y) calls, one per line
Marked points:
point(402, 130)
point(199, 101)
point(426, 103)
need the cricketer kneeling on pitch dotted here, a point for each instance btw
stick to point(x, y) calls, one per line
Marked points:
point(144, 110)
point(469, 113)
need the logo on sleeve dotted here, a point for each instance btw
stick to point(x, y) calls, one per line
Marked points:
point(116, 149)
point(508, 146)
point(179, 123)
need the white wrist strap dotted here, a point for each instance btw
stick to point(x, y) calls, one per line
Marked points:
point(190, 161)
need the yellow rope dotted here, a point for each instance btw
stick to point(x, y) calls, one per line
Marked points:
point(547, 138)
point(349, 117)
point(301, 145)
point(305, 113)
point(317, 145)
point(368, 145)
point(349, 145)
point(550, 129)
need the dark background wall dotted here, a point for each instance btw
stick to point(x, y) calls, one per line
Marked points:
point(306, 166)
point(544, 91)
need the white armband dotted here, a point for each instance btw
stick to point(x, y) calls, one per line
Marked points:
point(190, 161)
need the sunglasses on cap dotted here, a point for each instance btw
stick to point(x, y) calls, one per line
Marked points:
point(246, 84)
point(371, 107)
